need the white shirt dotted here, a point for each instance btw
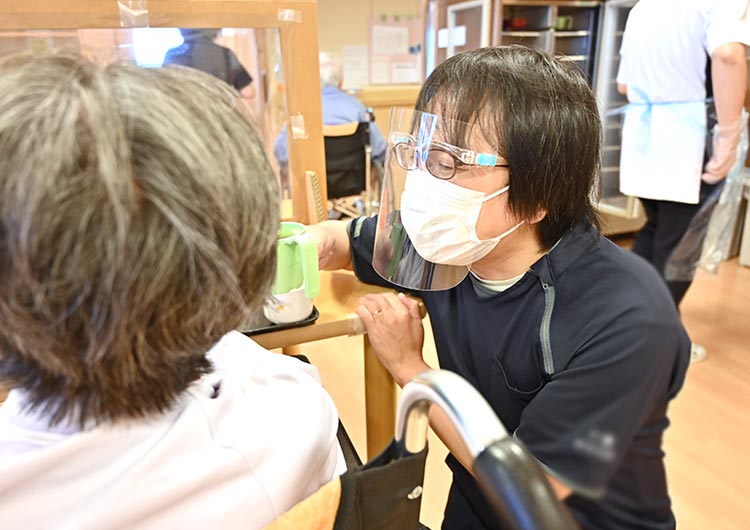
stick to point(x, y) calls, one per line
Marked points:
point(234, 458)
point(663, 63)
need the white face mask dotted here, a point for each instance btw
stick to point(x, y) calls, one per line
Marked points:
point(441, 219)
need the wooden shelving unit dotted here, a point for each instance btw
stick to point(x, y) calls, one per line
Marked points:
point(565, 28)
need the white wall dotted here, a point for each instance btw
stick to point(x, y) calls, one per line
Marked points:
point(345, 22)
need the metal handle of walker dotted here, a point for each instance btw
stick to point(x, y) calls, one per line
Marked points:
point(511, 479)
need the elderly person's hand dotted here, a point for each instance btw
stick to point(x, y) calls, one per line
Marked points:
point(394, 326)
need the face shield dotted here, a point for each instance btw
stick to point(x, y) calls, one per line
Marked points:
point(422, 245)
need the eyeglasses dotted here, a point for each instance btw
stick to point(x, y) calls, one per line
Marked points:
point(440, 159)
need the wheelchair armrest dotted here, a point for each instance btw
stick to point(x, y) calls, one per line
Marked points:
point(517, 489)
point(510, 477)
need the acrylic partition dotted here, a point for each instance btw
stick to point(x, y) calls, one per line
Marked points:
point(275, 42)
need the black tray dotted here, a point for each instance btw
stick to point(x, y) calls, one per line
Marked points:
point(261, 324)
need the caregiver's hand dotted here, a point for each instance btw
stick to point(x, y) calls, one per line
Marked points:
point(394, 327)
point(326, 244)
point(334, 251)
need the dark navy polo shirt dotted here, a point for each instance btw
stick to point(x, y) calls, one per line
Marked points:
point(204, 54)
point(579, 359)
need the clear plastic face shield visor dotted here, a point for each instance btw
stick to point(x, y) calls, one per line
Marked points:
point(422, 153)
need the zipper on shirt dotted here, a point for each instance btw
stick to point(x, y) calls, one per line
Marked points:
point(549, 304)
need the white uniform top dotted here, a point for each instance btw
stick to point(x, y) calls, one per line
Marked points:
point(233, 458)
point(663, 63)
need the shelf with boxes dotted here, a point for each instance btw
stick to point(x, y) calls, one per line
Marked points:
point(565, 28)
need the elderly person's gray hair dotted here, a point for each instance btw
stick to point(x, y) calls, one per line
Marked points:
point(138, 220)
point(330, 69)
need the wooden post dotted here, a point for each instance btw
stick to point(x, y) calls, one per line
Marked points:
point(380, 405)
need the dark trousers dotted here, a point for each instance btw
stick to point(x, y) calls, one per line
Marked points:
point(459, 513)
point(666, 223)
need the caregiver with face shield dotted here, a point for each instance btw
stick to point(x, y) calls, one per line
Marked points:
point(487, 215)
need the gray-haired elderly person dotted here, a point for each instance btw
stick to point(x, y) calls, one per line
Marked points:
point(138, 219)
point(338, 108)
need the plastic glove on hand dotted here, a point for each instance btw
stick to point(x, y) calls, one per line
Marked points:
point(726, 140)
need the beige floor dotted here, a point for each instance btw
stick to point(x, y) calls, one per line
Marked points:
point(707, 445)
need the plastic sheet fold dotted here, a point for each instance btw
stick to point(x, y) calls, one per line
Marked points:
point(708, 239)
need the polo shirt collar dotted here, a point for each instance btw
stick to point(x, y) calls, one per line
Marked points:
point(572, 244)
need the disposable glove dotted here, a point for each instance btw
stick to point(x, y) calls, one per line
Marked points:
point(726, 139)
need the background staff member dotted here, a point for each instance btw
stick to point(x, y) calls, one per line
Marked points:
point(199, 51)
point(663, 72)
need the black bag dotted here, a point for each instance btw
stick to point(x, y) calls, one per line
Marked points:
point(384, 494)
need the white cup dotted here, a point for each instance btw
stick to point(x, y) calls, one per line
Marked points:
point(288, 307)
